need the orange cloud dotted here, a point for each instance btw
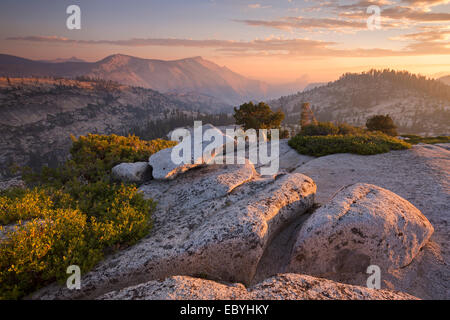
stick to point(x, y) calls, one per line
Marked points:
point(264, 47)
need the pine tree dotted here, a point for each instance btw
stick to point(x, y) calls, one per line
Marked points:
point(258, 116)
point(382, 123)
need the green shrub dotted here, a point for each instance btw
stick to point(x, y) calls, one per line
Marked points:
point(77, 214)
point(319, 129)
point(383, 124)
point(95, 155)
point(92, 158)
point(18, 204)
point(39, 251)
point(126, 219)
point(415, 139)
point(328, 128)
point(345, 129)
point(364, 144)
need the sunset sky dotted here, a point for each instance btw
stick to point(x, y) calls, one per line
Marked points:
point(275, 41)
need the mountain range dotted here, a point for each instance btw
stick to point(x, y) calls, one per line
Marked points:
point(192, 77)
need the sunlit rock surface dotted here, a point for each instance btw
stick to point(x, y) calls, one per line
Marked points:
point(421, 176)
point(163, 163)
point(362, 225)
point(280, 287)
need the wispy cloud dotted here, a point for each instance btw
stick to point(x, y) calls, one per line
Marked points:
point(352, 17)
point(429, 34)
point(403, 15)
point(426, 3)
point(258, 6)
point(289, 23)
point(410, 10)
point(428, 41)
point(421, 45)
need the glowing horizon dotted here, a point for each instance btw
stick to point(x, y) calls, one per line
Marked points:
point(274, 41)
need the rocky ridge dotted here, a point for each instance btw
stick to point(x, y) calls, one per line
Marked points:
point(229, 224)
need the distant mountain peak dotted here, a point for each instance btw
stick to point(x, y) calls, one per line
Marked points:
point(193, 74)
point(63, 60)
point(117, 56)
point(198, 58)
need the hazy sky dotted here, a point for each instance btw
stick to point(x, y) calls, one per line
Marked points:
point(275, 41)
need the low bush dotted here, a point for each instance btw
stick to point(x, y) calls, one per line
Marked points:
point(19, 204)
point(415, 139)
point(93, 156)
point(319, 129)
point(328, 128)
point(65, 231)
point(40, 250)
point(72, 215)
point(383, 124)
point(364, 144)
point(345, 128)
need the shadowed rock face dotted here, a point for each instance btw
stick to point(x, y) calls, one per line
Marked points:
point(280, 287)
point(363, 225)
point(214, 221)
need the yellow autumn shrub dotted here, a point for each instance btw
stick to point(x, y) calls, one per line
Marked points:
point(72, 215)
point(38, 251)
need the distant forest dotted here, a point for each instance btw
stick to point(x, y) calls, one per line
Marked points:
point(417, 104)
point(160, 128)
point(404, 79)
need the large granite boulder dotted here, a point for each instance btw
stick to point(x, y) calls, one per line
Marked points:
point(363, 225)
point(280, 287)
point(163, 163)
point(137, 172)
point(215, 221)
point(288, 159)
point(421, 175)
